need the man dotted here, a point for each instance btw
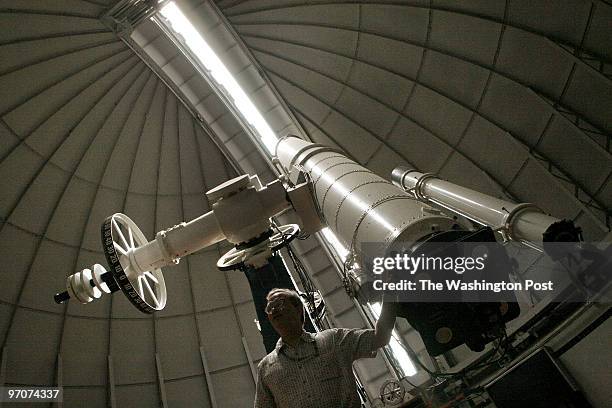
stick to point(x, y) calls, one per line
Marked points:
point(308, 370)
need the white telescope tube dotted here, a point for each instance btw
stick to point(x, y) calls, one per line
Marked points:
point(359, 206)
point(520, 222)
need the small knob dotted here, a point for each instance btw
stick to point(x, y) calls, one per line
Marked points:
point(61, 297)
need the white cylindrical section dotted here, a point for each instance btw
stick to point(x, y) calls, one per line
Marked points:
point(190, 237)
point(178, 241)
point(520, 222)
point(358, 205)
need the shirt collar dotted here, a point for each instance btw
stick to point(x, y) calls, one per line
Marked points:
point(306, 337)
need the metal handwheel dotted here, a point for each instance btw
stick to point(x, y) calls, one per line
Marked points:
point(392, 392)
point(144, 289)
point(236, 258)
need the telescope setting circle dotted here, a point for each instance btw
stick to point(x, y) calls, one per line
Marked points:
point(236, 258)
point(144, 289)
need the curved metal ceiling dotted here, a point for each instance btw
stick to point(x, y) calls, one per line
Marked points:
point(507, 97)
point(512, 98)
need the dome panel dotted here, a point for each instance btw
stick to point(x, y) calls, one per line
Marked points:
point(58, 80)
point(516, 109)
point(169, 212)
point(8, 140)
point(385, 159)
point(335, 15)
point(52, 262)
point(456, 79)
point(74, 205)
point(464, 36)
point(210, 289)
point(23, 53)
point(221, 340)
point(380, 84)
point(18, 250)
point(106, 203)
point(95, 160)
point(584, 160)
point(194, 206)
point(75, 142)
point(591, 227)
point(240, 291)
point(537, 186)
point(247, 316)
point(340, 41)
point(493, 149)
point(559, 19)
point(76, 7)
point(390, 21)
point(17, 171)
point(139, 395)
point(226, 383)
point(590, 95)
point(95, 396)
point(493, 9)
point(349, 133)
point(58, 110)
point(84, 363)
point(534, 61)
point(133, 348)
point(214, 167)
point(315, 132)
point(426, 107)
point(178, 286)
point(39, 200)
point(182, 393)
point(605, 192)
point(23, 26)
point(141, 209)
point(424, 150)
point(183, 361)
point(325, 88)
point(118, 172)
point(597, 39)
point(458, 169)
point(191, 171)
point(327, 63)
point(306, 104)
point(31, 357)
point(169, 170)
point(143, 176)
point(366, 112)
point(396, 56)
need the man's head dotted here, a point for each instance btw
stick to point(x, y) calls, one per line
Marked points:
point(285, 311)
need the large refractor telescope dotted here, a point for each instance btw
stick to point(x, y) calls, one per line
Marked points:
point(323, 188)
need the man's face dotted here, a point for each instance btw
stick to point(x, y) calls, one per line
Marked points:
point(285, 317)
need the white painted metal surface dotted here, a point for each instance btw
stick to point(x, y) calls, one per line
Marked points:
point(521, 222)
point(358, 205)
